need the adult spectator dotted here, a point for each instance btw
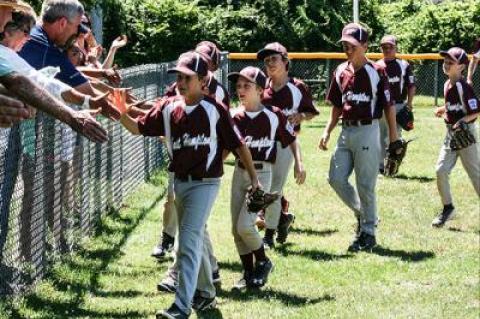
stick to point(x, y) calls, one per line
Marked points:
point(473, 62)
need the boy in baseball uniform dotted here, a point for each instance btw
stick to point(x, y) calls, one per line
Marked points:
point(262, 127)
point(359, 94)
point(402, 87)
point(294, 99)
point(197, 130)
point(461, 109)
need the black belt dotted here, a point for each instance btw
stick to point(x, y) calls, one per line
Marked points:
point(356, 122)
point(188, 178)
point(255, 165)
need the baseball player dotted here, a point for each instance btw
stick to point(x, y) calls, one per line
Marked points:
point(359, 93)
point(197, 130)
point(262, 127)
point(402, 87)
point(461, 109)
point(215, 90)
point(293, 97)
point(473, 62)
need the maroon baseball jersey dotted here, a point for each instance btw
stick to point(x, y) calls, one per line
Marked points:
point(400, 78)
point(294, 97)
point(195, 135)
point(362, 95)
point(262, 129)
point(215, 89)
point(460, 100)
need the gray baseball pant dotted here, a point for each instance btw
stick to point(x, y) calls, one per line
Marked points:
point(357, 149)
point(194, 201)
point(470, 157)
point(245, 233)
point(384, 138)
point(280, 170)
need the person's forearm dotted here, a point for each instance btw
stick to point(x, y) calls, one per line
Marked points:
point(469, 118)
point(107, 64)
point(297, 154)
point(411, 93)
point(308, 116)
point(246, 158)
point(27, 91)
point(93, 72)
point(130, 124)
point(472, 66)
point(390, 116)
point(101, 86)
point(334, 118)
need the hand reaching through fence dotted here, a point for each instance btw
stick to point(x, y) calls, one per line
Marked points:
point(84, 123)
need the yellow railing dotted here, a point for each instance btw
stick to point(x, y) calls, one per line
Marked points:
point(335, 55)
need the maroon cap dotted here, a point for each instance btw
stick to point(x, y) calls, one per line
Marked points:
point(191, 63)
point(456, 54)
point(210, 50)
point(272, 48)
point(389, 39)
point(354, 34)
point(251, 74)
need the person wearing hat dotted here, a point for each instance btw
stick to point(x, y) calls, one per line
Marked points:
point(359, 94)
point(293, 97)
point(461, 109)
point(474, 61)
point(402, 87)
point(262, 127)
point(197, 130)
point(11, 110)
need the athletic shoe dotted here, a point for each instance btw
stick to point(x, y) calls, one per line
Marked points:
point(172, 313)
point(166, 246)
point(217, 281)
point(364, 242)
point(286, 220)
point(262, 270)
point(446, 214)
point(200, 303)
point(245, 282)
point(268, 243)
point(169, 283)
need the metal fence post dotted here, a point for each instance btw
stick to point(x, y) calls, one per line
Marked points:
point(435, 81)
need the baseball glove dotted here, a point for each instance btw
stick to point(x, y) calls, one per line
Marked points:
point(258, 200)
point(461, 137)
point(395, 153)
point(405, 119)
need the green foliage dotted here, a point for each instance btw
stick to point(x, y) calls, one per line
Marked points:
point(429, 28)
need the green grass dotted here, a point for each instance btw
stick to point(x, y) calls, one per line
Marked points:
point(418, 272)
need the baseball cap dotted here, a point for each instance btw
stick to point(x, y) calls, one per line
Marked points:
point(191, 63)
point(354, 34)
point(389, 39)
point(251, 74)
point(456, 54)
point(210, 50)
point(15, 5)
point(272, 48)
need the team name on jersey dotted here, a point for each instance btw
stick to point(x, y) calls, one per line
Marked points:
point(454, 107)
point(394, 79)
point(263, 142)
point(357, 98)
point(191, 141)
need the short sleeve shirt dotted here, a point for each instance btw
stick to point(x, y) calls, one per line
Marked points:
point(460, 100)
point(400, 78)
point(293, 98)
point(362, 95)
point(5, 67)
point(40, 52)
point(195, 135)
point(261, 130)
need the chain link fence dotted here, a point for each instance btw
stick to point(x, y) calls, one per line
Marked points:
point(55, 185)
point(317, 74)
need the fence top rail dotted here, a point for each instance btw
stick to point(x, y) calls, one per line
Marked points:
point(336, 55)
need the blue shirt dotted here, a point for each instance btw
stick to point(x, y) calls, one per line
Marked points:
point(40, 51)
point(5, 68)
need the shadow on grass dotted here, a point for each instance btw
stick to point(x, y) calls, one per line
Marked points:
point(320, 125)
point(409, 256)
point(313, 232)
point(233, 266)
point(421, 179)
point(269, 294)
point(78, 276)
point(210, 314)
point(313, 254)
